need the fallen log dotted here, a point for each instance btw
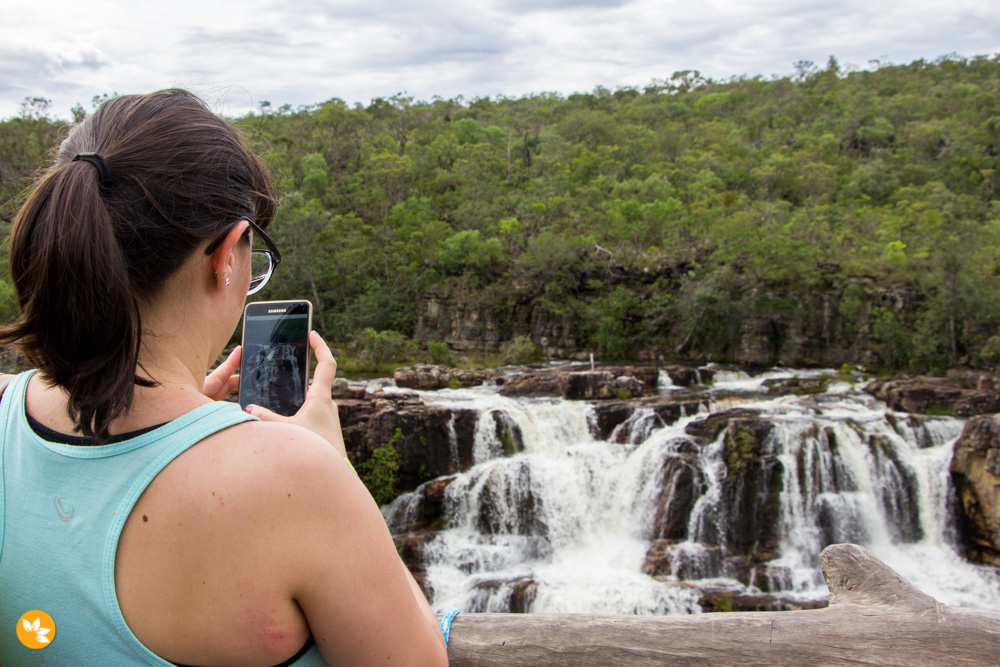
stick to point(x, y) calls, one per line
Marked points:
point(875, 617)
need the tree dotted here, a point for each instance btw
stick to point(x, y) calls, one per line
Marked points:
point(35, 108)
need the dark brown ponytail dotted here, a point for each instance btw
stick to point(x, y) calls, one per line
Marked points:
point(99, 235)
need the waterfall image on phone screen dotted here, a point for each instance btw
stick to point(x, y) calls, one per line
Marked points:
point(272, 374)
point(273, 369)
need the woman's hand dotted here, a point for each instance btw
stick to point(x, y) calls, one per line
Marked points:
point(319, 413)
point(224, 380)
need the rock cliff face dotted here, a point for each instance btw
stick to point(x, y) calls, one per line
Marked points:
point(815, 332)
point(975, 471)
point(467, 328)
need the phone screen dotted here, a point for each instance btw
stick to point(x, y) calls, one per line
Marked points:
point(274, 369)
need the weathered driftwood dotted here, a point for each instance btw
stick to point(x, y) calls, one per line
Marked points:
point(875, 617)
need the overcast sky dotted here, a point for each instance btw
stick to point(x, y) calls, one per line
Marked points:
point(300, 52)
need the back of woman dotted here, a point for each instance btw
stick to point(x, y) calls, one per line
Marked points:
point(143, 520)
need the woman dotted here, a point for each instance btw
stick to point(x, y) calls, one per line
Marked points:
point(154, 523)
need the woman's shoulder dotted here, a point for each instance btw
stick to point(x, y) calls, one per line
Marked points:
point(256, 486)
point(266, 452)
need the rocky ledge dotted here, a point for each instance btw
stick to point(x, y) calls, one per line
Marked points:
point(432, 441)
point(958, 394)
point(435, 441)
point(576, 382)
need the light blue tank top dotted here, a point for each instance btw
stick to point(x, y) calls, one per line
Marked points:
point(62, 509)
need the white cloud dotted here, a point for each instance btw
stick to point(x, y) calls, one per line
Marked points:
point(307, 51)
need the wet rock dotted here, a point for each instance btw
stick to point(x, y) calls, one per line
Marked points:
point(344, 390)
point(508, 504)
point(988, 383)
point(13, 362)
point(427, 376)
point(745, 441)
point(750, 510)
point(435, 440)
point(667, 559)
point(765, 576)
point(680, 487)
point(533, 385)
point(432, 440)
point(683, 376)
point(610, 415)
point(595, 385)
point(433, 499)
point(839, 525)
point(513, 596)
point(797, 386)
point(915, 424)
point(423, 510)
point(935, 395)
point(975, 473)
point(748, 517)
point(977, 403)
point(711, 426)
point(751, 502)
point(411, 546)
point(508, 433)
point(647, 375)
point(586, 385)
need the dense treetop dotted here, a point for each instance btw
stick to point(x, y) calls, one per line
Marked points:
point(658, 216)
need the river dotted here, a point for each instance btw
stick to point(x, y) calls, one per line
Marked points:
point(567, 523)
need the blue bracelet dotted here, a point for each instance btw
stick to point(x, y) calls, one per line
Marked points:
point(446, 623)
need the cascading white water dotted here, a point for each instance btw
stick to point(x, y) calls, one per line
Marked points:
point(565, 524)
point(855, 472)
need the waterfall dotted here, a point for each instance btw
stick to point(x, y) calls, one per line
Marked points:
point(568, 523)
point(664, 382)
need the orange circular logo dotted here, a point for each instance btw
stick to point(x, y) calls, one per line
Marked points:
point(36, 629)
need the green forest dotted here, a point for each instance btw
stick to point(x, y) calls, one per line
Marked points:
point(825, 217)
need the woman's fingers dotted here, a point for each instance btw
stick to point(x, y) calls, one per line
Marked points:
point(326, 368)
point(224, 380)
point(232, 385)
point(318, 413)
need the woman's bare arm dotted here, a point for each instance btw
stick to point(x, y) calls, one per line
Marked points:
point(361, 603)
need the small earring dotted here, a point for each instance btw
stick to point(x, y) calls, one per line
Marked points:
point(226, 276)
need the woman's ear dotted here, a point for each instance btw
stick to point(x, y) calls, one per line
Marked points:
point(223, 259)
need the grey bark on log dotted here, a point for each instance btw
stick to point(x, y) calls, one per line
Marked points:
point(875, 617)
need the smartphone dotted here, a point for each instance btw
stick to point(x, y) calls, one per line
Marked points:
point(274, 370)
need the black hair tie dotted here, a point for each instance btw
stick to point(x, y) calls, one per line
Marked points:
point(103, 170)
